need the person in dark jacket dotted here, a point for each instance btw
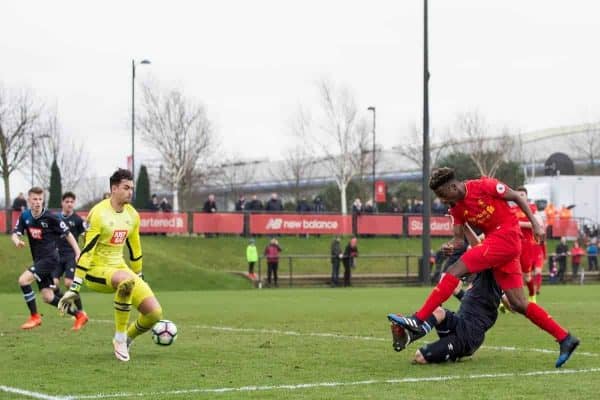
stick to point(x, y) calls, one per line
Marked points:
point(350, 253)
point(274, 204)
point(394, 206)
point(240, 205)
point(210, 205)
point(303, 206)
point(562, 250)
point(318, 205)
point(19, 204)
point(153, 205)
point(336, 256)
point(272, 254)
point(255, 204)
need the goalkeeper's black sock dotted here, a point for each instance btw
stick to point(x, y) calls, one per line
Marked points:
point(57, 292)
point(460, 294)
point(29, 296)
point(432, 321)
point(78, 304)
point(54, 303)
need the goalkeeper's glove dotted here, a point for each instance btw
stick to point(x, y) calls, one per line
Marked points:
point(67, 302)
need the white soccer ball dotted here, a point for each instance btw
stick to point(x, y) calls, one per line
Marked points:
point(164, 332)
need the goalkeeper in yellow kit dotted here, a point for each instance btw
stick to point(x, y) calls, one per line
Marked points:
point(114, 223)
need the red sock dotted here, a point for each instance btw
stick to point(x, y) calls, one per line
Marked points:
point(438, 295)
point(531, 287)
point(542, 319)
point(538, 281)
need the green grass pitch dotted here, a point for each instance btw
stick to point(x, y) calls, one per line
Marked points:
point(292, 344)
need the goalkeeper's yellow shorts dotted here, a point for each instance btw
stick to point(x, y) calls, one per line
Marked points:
point(99, 279)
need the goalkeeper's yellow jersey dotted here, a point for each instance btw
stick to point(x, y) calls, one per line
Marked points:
point(108, 232)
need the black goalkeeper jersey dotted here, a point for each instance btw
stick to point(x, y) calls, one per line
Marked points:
point(77, 226)
point(480, 303)
point(44, 233)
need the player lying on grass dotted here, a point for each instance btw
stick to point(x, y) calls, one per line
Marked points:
point(483, 203)
point(44, 230)
point(113, 223)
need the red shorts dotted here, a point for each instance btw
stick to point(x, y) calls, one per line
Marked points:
point(499, 251)
point(527, 256)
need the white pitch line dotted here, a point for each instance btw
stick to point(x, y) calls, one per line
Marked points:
point(354, 337)
point(333, 384)
point(28, 393)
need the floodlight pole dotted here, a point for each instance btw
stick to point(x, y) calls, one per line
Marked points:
point(425, 272)
point(143, 62)
point(374, 154)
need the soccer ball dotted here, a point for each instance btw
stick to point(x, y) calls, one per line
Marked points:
point(164, 332)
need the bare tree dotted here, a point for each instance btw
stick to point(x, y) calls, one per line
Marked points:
point(179, 130)
point(299, 161)
point(233, 174)
point(475, 138)
point(344, 136)
point(70, 155)
point(412, 147)
point(19, 117)
point(587, 144)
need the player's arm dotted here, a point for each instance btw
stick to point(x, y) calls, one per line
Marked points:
point(91, 238)
point(18, 232)
point(472, 238)
point(511, 195)
point(134, 245)
point(74, 245)
point(457, 241)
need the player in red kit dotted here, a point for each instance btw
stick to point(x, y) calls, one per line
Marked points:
point(540, 257)
point(483, 204)
point(528, 244)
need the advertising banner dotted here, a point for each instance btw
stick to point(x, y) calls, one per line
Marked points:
point(300, 224)
point(380, 225)
point(218, 223)
point(380, 192)
point(440, 226)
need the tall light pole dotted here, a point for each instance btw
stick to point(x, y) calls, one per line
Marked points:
point(143, 62)
point(426, 240)
point(373, 176)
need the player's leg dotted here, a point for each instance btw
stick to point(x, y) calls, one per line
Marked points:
point(25, 281)
point(511, 284)
point(275, 273)
point(149, 309)
point(448, 348)
point(526, 262)
point(401, 338)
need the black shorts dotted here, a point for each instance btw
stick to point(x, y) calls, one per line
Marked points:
point(458, 339)
point(42, 270)
point(66, 266)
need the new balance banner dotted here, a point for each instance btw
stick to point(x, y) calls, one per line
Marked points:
point(440, 226)
point(380, 224)
point(218, 223)
point(300, 224)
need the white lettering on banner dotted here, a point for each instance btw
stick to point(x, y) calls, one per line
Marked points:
point(435, 225)
point(174, 222)
point(275, 224)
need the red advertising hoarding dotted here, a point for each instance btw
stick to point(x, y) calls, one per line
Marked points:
point(300, 224)
point(565, 227)
point(218, 223)
point(158, 222)
point(3, 227)
point(440, 226)
point(379, 224)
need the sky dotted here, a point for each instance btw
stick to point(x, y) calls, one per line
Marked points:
point(530, 64)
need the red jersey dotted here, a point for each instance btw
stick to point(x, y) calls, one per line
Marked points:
point(484, 206)
point(528, 235)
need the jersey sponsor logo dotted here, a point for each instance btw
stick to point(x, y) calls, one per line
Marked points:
point(36, 233)
point(500, 188)
point(119, 236)
point(44, 224)
point(63, 226)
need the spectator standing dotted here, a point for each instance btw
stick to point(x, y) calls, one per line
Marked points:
point(303, 206)
point(318, 205)
point(165, 206)
point(210, 205)
point(240, 205)
point(272, 254)
point(592, 251)
point(357, 207)
point(418, 206)
point(562, 250)
point(255, 204)
point(550, 212)
point(576, 256)
point(394, 206)
point(369, 208)
point(274, 204)
point(350, 253)
point(408, 207)
point(19, 204)
point(154, 205)
point(252, 258)
point(336, 256)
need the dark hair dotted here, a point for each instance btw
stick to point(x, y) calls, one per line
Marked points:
point(36, 190)
point(522, 189)
point(69, 195)
point(441, 176)
point(120, 175)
